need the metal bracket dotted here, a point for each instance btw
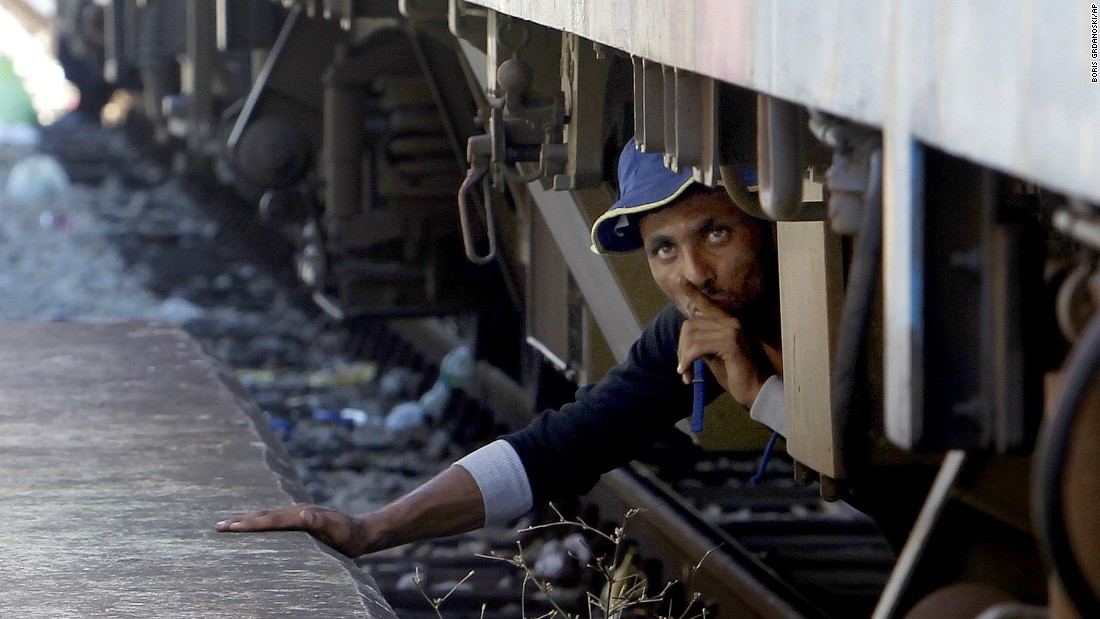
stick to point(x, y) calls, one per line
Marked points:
point(849, 176)
point(914, 548)
point(520, 127)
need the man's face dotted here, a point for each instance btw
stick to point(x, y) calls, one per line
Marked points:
point(704, 245)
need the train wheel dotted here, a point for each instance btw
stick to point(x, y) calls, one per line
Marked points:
point(1065, 494)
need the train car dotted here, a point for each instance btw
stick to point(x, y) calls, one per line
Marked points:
point(930, 169)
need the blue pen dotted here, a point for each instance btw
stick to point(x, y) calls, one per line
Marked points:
point(700, 400)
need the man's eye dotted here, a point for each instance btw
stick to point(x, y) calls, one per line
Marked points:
point(664, 251)
point(719, 234)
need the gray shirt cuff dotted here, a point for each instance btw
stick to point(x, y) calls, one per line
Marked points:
point(770, 408)
point(500, 476)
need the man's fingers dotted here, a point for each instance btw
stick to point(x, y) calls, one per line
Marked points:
point(247, 516)
point(294, 517)
point(330, 526)
point(706, 331)
point(699, 303)
point(703, 337)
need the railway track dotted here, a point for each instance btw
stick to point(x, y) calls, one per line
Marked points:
point(775, 550)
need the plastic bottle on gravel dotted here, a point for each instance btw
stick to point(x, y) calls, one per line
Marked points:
point(455, 371)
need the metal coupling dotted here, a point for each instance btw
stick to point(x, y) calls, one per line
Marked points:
point(520, 127)
point(849, 176)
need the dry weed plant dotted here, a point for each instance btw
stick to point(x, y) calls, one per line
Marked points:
point(437, 603)
point(624, 588)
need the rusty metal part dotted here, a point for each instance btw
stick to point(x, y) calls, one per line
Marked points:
point(478, 173)
point(520, 127)
point(523, 125)
point(585, 71)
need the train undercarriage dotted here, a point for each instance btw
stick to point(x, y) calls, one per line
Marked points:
point(930, 170)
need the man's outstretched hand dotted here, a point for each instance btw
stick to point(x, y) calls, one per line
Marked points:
point(346, 534)
point(448, 504)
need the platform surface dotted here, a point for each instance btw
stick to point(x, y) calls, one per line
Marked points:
point(120, 446)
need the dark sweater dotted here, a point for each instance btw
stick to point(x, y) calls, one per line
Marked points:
point(611, 422)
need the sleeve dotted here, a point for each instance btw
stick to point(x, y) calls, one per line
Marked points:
point(503, 483)
point(565, 451)
point(770, 408)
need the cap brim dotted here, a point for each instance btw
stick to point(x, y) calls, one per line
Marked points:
point(607, 240)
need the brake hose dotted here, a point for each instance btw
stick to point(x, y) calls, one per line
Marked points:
point(862, 281)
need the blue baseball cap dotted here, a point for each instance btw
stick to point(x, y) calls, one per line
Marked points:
point(645, 184)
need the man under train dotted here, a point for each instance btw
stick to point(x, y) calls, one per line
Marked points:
point(718, 268)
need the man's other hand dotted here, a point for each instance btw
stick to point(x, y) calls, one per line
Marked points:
point(739, 365)
point(346, 534)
